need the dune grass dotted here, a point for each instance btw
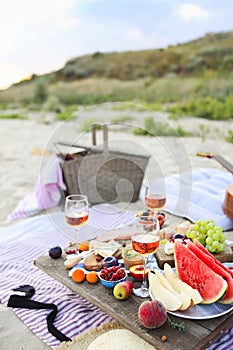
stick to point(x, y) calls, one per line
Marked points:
point(189, 79)
point(13, 116)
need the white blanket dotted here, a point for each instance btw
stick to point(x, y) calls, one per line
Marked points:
point(196, 195)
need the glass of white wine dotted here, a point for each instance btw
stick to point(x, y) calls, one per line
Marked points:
point(76, 211)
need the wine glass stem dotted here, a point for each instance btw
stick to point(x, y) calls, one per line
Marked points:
point(76, 237)
point(144, 281)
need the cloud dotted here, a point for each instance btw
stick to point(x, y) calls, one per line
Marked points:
point(38, 36)
point(134, 34)
point(17, 16)
point(188, 12)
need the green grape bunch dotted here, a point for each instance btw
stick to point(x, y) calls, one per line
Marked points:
point(209, 235)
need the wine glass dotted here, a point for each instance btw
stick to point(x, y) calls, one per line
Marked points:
point(145, 241)
point(76, 210)
point(155, 200)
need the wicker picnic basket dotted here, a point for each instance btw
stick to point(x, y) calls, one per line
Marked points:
point(102, 174)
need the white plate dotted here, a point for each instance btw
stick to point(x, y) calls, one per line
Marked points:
point(204, 311)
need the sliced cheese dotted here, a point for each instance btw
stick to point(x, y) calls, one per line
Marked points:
point(104, 248)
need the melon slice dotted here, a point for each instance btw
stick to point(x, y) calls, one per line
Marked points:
point(209, 261)
point(181, 286)
point(192, 270)
point(200, 246)
point(158, 292)
point(184, 297)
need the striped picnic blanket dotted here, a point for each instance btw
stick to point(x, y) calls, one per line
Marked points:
point(21, 243)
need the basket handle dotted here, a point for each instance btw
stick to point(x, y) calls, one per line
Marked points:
point(105, 136)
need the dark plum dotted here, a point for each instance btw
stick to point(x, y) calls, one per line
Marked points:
point(110, 261)
point(178, 236)
point(55, 252)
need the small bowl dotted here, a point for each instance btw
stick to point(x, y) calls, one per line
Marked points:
point(111, 284)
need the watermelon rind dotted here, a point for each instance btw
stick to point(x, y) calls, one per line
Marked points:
point(200, 246)
point(211, 262)
point(193, 271)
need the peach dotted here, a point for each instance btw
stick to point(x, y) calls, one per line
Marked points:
point(152, 314)
point(136, 271)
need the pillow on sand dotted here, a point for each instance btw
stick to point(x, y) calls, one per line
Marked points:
point(119, 339)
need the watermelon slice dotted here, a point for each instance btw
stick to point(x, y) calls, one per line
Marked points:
point(193, 271)
point(209, 261)
point(200, 246)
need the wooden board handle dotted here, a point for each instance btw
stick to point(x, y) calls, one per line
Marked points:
point(227, 165)
point(206, 155)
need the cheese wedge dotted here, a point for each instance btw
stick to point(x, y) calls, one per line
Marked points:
point(104, 248)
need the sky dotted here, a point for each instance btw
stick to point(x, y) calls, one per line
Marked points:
point(40, 36)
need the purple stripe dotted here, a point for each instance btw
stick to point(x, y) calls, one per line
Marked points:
point(16, 265)
point(101, 319)
point(225, 342)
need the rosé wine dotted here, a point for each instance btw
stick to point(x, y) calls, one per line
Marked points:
point(155, 201)
point(76, 219)
point(145, 244)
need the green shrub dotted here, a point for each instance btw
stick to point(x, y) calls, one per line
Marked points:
point(12, 116)
point(41, 91)
point(227, 62)
point(86, 127)
point(141, 131)
point(228, 110)
point(208, 108)
point(52, 103)
point(68, 113)
point(204, 130)
point(122, 119)
point(182, 132)
point(73, 72)
point(3, 106)
point(195, 62)
point(154, 128)
point(229, 137)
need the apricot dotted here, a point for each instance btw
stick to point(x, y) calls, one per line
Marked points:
point(84, 246)
point(92, 277)
point(78, 275)
point(152, 314)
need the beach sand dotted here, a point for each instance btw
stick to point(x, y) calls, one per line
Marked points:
point(24, 141)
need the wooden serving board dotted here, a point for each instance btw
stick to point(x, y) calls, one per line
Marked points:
point(162, 258)
point(199, 333)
